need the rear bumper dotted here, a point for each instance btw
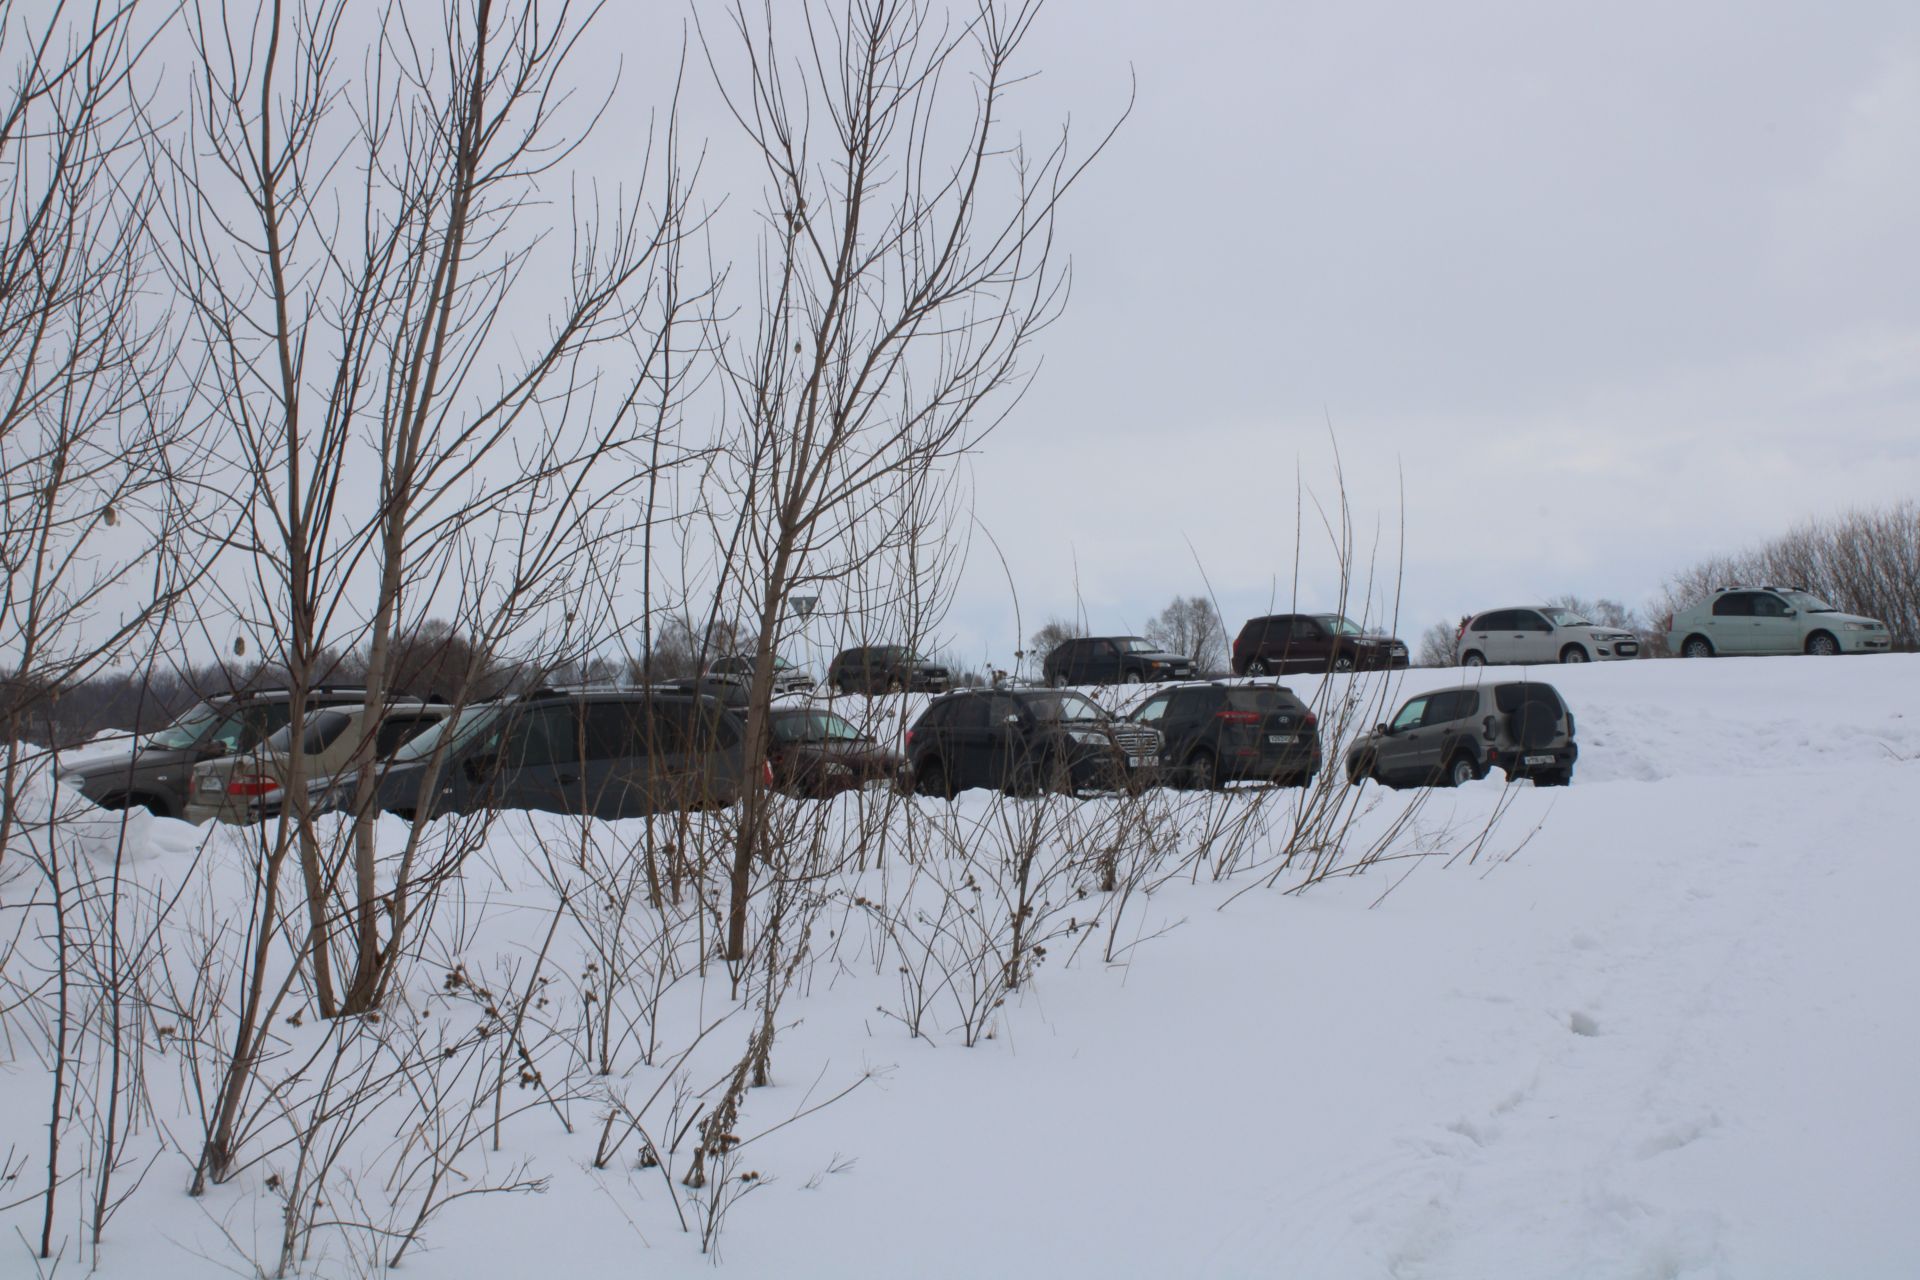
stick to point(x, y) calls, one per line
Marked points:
point(1528, 764)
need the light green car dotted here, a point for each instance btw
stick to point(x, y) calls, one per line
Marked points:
point(1738, 620)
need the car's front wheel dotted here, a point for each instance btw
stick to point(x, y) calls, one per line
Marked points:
point(1343, 662)
point(1132, 677)
point(1203, 770)
point(1059, 680)
point(1822, 645)
point(1573, 653)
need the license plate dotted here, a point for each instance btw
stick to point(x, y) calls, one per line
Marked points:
point(1281, 737)
point(210, 784)
point(1539, 759)
point(1142, 762)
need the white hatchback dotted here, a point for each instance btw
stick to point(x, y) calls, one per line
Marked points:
point(1540, 634)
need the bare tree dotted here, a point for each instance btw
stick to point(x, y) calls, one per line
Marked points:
point(1191, 626)
point(1440, 645)
point(906, 266)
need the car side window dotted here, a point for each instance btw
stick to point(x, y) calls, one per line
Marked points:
point(544, 736)
point(322, 729)
point(1306, 629)
point(1444, 708)
point(1528, 620)
point(1733, 604)
point(1189, 704)
point(1411, 714)
point(615, 730)
point(1155, 708)
point(969, 713)
point(396, 731)
point(1768, 606)
point(1000, 709)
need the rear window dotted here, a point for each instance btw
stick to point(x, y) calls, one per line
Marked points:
point(1509, 697)
point(321, 729)
point(1265, 701)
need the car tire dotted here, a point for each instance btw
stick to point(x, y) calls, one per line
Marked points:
point(1202, 772)
point(933, 779)
point(1343, 663)
point(1059, 680)
point(1821, 644)
point(1132, 677)
point(1696, 647)
point(1473, 658)
point(1360, 770)
point(894, 685)
point(1259, 667)
point(1573, 653)
point(1461, 771)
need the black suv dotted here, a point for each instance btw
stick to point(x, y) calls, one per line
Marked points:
point(1219, 733)
point(157, 773)
point(1113, 660)
point(610, 753)
point(1312, 642)
point(886, 668)
point(1026, 740)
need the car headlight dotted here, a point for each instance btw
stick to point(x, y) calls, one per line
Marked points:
point(1858, 626)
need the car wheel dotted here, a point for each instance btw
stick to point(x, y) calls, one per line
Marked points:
point(1473, 658)
point(1132, 677)
point(1573, 653)
point(932, 779)
point(1259, 667)
point(894, 685)
point(1203, 771)
point(1462, 771)
point(1059, 680)
point(1360, 770)
point(1696, 647)
point(1343, 662)
point(1822, 645)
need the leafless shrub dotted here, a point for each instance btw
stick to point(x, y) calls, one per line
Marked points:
point(1191, 626)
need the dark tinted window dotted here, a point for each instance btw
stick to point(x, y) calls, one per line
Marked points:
point(935, 715)
point(1307, 629)
point(1455, 705)
point(1266, 701)
point(1189, 704)
point(617, 729)
point(971, 713)
point(1733, 604)
point(544, 735)
point(1528, 620)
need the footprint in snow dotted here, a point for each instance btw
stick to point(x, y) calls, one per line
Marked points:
point(1583, 1024)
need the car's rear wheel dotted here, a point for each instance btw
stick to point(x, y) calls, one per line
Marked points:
point(1259, 667)
point(1343, 662)
point(1203, 770)
point(1573, 653)
point(1696, 647)
point(1822, 645)
point(1462, 771)
point(932, 779)
point(1473, 658)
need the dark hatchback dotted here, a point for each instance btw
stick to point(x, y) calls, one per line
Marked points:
point(1307, 642)
point(605, 753)
point(1027, 740)
point(1219, 732)
point(817, 753)
point(886, 668)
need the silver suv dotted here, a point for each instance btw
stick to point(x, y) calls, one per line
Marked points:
point(1773, 620)
point(1451, 737)
point(1538, 634)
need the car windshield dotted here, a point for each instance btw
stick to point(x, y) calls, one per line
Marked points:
point(1072, 707)
point(457, 731)
point(1806, 602)
point(188, 731)
point(1337, 624)
point(1134, 644)
point(814, 726)
point(1565, 618)
point(781, 664)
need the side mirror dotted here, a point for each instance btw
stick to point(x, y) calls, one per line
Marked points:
point(211, 750)
point(1383, 730)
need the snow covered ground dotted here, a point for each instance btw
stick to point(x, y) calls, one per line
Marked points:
point(1674, 1034)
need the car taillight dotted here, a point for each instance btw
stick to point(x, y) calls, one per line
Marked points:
point(909, 739)
point(1311, 722)
point(252, 784)
point(766, 773)
point(1238, 717)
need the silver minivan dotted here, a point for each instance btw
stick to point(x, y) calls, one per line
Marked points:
point(1538, 634)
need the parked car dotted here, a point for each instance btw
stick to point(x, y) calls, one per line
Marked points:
point(814, 752)
point(738, 669)
point(1450, 737)
point(1312, 642)
point(157, 773)
point(1113, 660)
point(886, 668)
point(1216, 733)
point(1027, 740)
point(250, 786)
point(1736, 620)
point(609, 753)
point(1538, 634)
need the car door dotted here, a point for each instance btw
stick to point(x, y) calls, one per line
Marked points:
point(1730, 625)
point(1189, 714)
point(1533, 637)
point(1775, 628)
point(617, 738)
point(1306, 647)
point(1003, 749)
point(965, 744)
point(540, 760)
point(1448, 718)
point(1399, 752)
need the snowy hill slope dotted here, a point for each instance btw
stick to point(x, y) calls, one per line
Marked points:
point(1672, 1035)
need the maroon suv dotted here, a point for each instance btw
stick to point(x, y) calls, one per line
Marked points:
point(1312, 642)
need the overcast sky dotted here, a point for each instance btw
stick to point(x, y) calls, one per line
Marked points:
point(1611, 288)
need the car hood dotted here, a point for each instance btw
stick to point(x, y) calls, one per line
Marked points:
point(1374, 638)
point(1858, 619)
point(1161, 655)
